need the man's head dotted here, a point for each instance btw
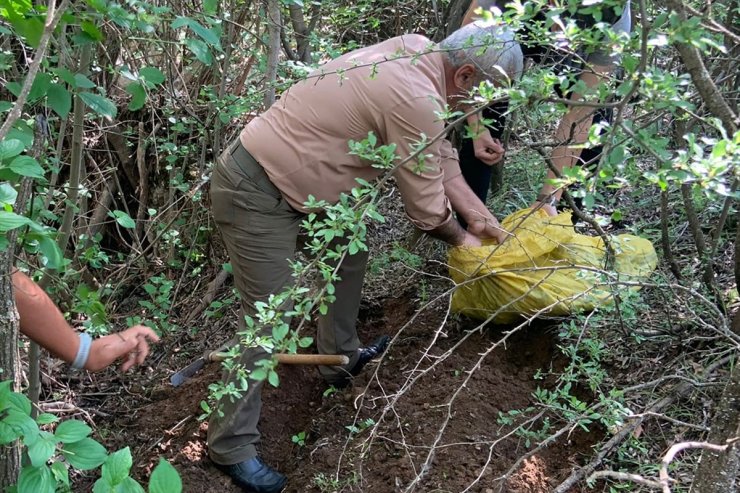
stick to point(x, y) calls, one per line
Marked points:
point(476, 52)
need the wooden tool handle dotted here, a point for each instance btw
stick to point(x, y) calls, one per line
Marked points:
point(298, 359)
point(313, 359)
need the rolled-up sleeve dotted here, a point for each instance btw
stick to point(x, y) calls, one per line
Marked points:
point(421, 179)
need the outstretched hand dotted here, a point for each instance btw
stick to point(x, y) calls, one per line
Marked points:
point(488, 149)
point(131, 345)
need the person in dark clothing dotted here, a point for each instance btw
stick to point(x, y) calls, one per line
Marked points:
point(478, 155)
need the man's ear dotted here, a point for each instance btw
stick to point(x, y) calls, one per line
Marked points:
point(465, 76)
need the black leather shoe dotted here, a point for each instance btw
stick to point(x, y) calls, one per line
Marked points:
point(367, 353)
point(255, 476)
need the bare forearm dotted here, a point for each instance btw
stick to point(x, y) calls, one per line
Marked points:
point(474, 123)
point(41, 321)
point(481, 223)
point(464, 201)
point(450, 232)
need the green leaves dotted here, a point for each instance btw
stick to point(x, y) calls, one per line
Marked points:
point(115, 473)
point(279, 331)
point(82, 82)
point(123, 219)
point(99, 104)
point(165, 479)
point(61, 473)
point(59, 100)
point(40, 85)
point(85, 454)
point(36, 480)
point(10, 148)
point(11, 220)
point(71, 431)
point(210, 6)
point(20, 424)
point(42, 448)
point(93, 32)
point(201, 48)
point(148, 78)
point(48, 248)
point(138, 96)
point(128, 485)
point(12, 165)
point(79, 451)
point(26, 166)
point(207, 35)
point(273, 378)
point(46, 418)
point(152, 75)
point(24, 21)
point(57, 96)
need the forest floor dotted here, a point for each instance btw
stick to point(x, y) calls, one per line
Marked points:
point(164, 422)
point(434, 413)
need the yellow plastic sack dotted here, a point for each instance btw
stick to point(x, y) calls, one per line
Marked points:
point(545, 268)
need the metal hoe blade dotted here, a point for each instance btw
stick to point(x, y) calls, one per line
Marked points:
point(178, 378)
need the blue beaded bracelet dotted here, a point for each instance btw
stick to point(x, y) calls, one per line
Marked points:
point(83, 352)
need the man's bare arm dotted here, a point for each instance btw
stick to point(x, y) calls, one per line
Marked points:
point(481, 222)
point(452, 233)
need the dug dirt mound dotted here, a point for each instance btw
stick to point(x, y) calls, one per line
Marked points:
point(426, 418)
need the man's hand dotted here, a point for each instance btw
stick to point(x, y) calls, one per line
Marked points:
point(488, 149)
point(487, 227)
point(470, 240)
point(131, 345)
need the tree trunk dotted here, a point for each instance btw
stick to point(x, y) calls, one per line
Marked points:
point(701, 78)
point(718, 471)
point(273, 29)
point(302, 30)
point(10, 457)
point(455, 14)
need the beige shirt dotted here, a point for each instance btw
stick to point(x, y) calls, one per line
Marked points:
point(301, 141)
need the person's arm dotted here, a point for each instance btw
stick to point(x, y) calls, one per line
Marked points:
point(486, 148)
point(43, 323)
point(453, 234)
point(465, 202)
point(573, 130)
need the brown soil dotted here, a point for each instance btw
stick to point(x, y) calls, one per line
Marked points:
point(472, 452)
